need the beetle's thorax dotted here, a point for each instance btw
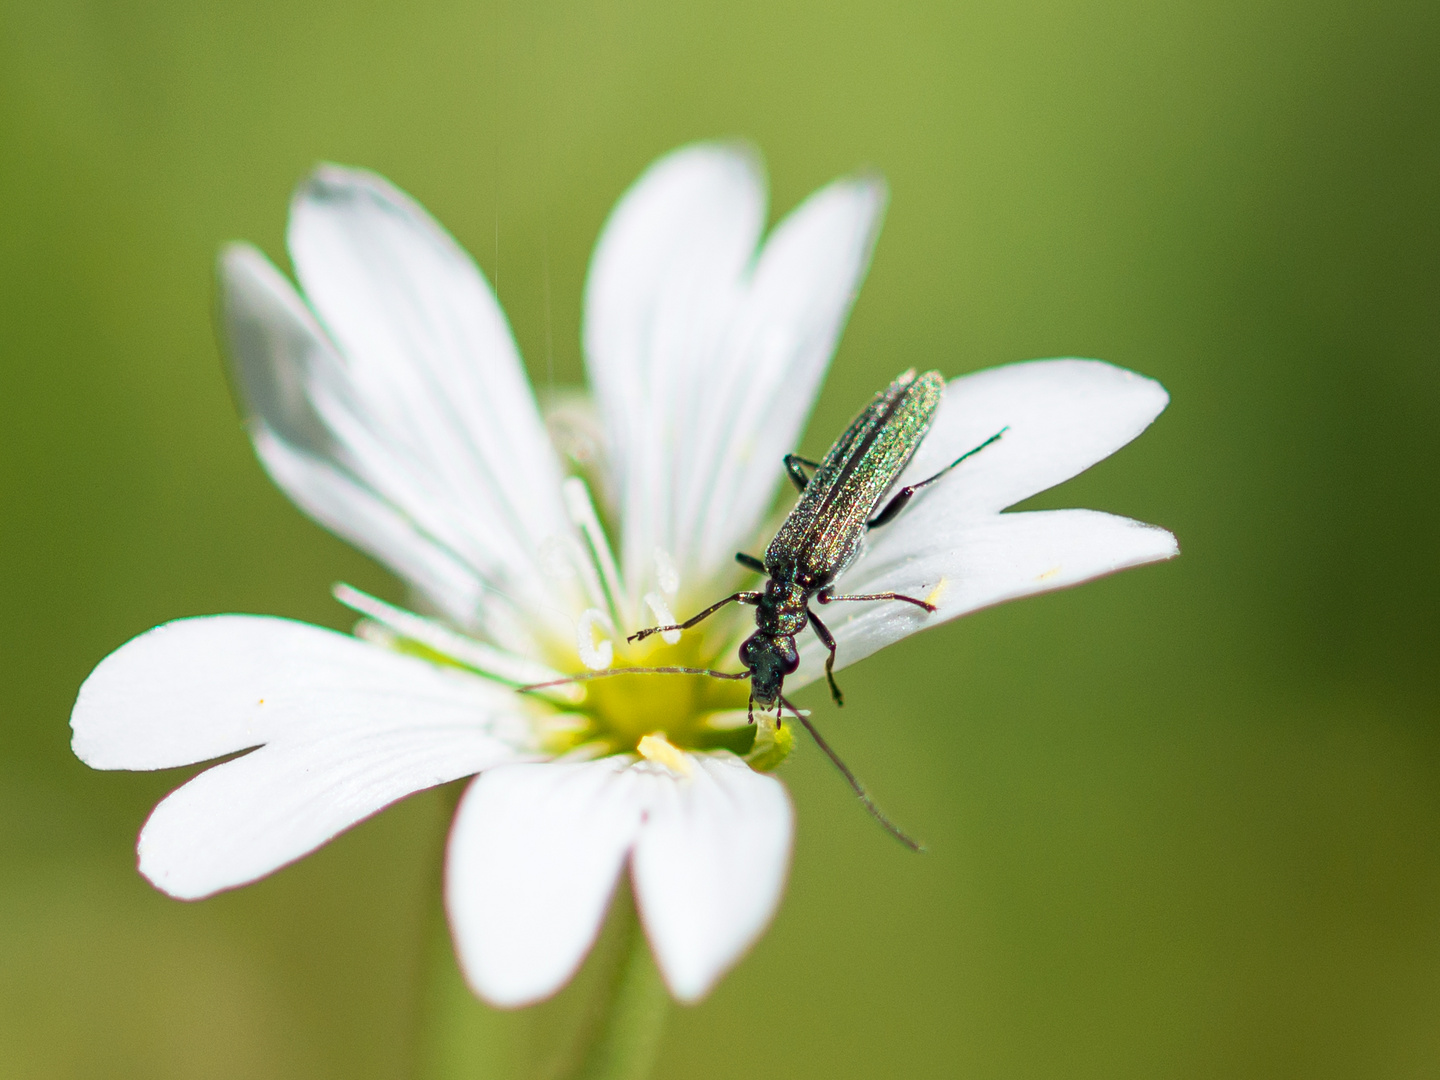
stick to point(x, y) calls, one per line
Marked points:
point(770, 652)
point(782, 607)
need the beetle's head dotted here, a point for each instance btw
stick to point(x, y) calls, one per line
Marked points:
point(769, 657)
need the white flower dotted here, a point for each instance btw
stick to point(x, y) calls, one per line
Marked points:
point(389, 402)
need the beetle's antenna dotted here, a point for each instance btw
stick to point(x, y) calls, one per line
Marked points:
point(634, 671)
point(855, 785)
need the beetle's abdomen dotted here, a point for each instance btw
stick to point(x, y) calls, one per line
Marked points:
point(823, 532)
point(785, 620)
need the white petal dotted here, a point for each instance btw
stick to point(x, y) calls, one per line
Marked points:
point(1060, 417)
point(278, 354)
point(689, 339)
point(710, 867)
point(964, 564)
point(347, 728)
point(430, 355)
point(750, 411)
point(422, 398)
point(666, 275)
point(244, 819)
point(534, 855)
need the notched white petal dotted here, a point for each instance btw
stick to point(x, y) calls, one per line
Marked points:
point(777, 349)
point(196, 689)
point(237, 822)
point(1059, 418)
point(706, 355)
point(431, 402)
point(953, 548)
point(292, 381)
point(346, 728)
point(533, 858)
point(709, 868)
point(967, 564)
point(535, 851)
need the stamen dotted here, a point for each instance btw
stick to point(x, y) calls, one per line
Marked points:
point(655, 747)
point(934, 598)
point(667, 576)
point(485, 659)
point(582, 514)
point(663, 617)
point(596, 657)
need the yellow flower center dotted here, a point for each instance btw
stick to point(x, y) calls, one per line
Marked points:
point(690, 712)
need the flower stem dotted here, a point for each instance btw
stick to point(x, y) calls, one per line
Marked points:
point(628, 1025)
point(606, 1025)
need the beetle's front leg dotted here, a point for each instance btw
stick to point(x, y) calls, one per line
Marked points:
point(737, 598)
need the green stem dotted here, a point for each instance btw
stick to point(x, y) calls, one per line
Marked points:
point(606, 1025)
point(627, 1027)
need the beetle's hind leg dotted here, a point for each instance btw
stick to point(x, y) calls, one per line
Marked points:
point(825, 596)
point(905, 494)
point(828, 640)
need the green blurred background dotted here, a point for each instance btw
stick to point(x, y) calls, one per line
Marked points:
point(1184, 822)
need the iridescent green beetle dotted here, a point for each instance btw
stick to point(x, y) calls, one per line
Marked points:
point(823, 533)
point(819, 538)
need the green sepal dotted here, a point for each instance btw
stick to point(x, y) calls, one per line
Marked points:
point(773, 743)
